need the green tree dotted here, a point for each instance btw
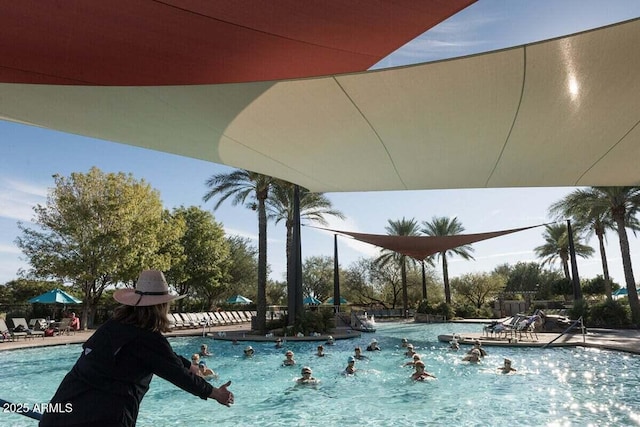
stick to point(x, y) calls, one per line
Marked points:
point(243, 274)
point(556, 247)
point(478, 288)
point(96, 230)
point(443, 226)
point(594, 218)
point(314, 207)
point(622, 204)
point(317, 277)
point(204, 270)
point(252, 190)
point(402, 227)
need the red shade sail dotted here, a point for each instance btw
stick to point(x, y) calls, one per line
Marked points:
point(180, 42)
point(420, 247)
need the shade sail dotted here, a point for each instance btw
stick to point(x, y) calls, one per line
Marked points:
point(420, 247)
point(178, 42)
point(55, 296)
point(563, 112)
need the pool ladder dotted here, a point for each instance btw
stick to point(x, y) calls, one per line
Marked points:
point(567, 330)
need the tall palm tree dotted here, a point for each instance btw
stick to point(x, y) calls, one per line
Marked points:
point(623, 204)
point(252, 190)
point(590, 219)
point(556, 247)
point(403, 227)
point(443, 226)
point(313, 207)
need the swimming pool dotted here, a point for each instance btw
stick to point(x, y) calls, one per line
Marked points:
point(553, 387)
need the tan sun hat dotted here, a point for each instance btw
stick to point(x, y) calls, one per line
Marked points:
point(151, 289)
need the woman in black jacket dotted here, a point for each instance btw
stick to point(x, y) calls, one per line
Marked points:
point(112, 375)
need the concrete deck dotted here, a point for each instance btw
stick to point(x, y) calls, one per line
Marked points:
point(239, 332)
point(626, 340)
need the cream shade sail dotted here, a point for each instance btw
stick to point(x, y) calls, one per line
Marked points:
point(563, 112)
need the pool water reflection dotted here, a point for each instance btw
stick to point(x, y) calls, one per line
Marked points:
point(553, 387)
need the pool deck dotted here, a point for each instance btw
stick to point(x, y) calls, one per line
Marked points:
point(239, 332)
point(625, 340)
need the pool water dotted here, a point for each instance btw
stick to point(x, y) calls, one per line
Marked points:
point(552, 387)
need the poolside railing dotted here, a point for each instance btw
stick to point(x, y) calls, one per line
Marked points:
point(567, 330)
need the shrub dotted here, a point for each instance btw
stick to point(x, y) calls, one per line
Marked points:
point(580, 308)
point(321, 321)
point(610, 313)
point(445, 309)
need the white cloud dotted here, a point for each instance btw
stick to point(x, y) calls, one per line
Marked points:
point(348, 224)
point(17, 199)
point(9, 249)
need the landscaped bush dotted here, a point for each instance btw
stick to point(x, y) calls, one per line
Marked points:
point(610, 314)
point(320, 321)
point(580, 308)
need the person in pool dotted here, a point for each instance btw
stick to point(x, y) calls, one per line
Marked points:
point(320, 352)
point(330, 340)
point(420, 374)
point(506, 368)
point(351, 366)
point(358, 354)
point(204, 351)
point(288, 361)
point(413, 361)
point(195, 359)
point(307, 377)
point(473, 356)
point(410, 352)
point(478, 346)
point(278, 343)
point(204, 371)
point(405, 342)
point(112, 375)
point(373, 345)
point(248, 351)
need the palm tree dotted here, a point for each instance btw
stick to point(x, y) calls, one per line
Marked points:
point(313, 207)
point(556, 247)
point(443, 226)
point(403, 227)
point(244, 186)
point(590, 219)
point(622, 204)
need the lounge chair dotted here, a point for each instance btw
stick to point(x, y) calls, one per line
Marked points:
point(213, 319)
point(31, 331)
point(221, 319)
point(5, 331)
point(188, 322)
point(176, 321)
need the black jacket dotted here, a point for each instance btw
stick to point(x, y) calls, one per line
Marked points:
point(112, 375)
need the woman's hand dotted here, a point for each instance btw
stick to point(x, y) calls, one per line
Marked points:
point(222, 395)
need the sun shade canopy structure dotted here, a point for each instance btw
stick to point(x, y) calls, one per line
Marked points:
point(186, 42)
point(562, 112)
point(55, 296)
point(420, 247)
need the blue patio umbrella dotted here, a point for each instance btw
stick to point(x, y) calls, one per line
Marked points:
point(55, 296)
point(238, 299)
point(311, 301)
point(342, 300)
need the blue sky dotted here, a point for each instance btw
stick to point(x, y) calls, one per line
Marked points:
point(30, 156)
